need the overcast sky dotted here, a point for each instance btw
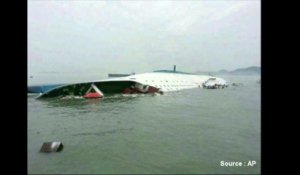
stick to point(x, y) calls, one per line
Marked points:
point(83, 40)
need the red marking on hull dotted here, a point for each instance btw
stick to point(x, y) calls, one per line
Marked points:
point(152, 89)
point(93, 95)
point(134, 90)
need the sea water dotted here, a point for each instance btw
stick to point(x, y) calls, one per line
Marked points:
point(185, 132)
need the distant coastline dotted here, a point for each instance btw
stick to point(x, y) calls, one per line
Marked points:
point(252, 70)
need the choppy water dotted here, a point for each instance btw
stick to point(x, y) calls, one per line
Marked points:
point(189, 131)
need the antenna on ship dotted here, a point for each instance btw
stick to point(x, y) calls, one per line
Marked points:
point(174, 69)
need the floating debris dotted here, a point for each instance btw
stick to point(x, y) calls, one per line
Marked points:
point(49, 147)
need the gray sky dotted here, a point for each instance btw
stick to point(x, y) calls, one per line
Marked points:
point(84, 40)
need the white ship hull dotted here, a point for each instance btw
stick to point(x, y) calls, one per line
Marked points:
point(140, 83)
point(167, 82)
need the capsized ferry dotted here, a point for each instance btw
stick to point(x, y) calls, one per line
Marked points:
point(154, 82)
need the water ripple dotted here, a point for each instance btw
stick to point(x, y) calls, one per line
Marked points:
point(103, 132)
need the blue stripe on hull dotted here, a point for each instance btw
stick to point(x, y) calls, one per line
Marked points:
point(41, 88)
